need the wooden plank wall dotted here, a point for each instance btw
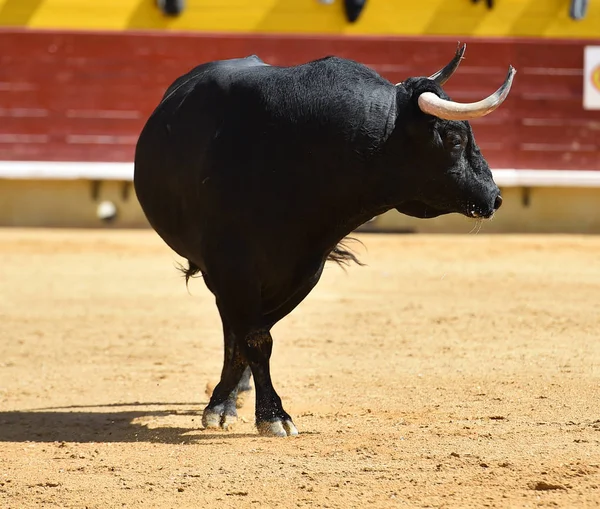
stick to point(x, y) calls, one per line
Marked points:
point(84, 96)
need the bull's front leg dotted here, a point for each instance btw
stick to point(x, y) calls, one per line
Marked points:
point(243, 388)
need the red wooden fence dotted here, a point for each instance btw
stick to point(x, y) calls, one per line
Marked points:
point(84, 96)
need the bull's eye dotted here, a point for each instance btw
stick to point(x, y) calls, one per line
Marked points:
point(454, 142)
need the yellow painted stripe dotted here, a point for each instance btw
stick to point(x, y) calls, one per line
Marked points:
point(538, 18)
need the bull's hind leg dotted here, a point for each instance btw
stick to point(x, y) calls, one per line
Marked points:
point(221, 411)
point(271, 418)
point(230, 392)
point(238, 291)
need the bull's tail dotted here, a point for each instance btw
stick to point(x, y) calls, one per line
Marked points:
point(192, 270)
point(342, 255)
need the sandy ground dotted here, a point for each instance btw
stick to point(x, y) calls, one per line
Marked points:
point(452, 371)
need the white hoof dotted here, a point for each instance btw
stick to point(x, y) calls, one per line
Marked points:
point(277, 429)
point(214, 420)
point(290, 429)
point(228, 422)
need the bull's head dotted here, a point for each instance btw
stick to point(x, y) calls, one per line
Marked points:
point(449, 173)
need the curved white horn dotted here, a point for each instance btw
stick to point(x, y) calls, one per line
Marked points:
point(450, 110)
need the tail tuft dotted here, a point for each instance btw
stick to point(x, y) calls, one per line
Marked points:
point(342, 255)
point(191, 271)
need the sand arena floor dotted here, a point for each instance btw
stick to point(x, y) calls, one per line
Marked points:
point(452, 371)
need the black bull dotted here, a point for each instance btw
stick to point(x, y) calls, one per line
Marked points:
point(255, 174)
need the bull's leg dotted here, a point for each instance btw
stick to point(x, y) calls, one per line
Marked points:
point(235, 284)
point(271, 418)
point(255, 349)
point(222, 413)
point(243, 388)
point(221, 410)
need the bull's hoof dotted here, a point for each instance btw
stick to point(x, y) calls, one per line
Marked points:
point(277, 428)
point(219, 417)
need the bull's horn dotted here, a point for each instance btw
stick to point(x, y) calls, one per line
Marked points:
point(450, 110)
point(444, 74)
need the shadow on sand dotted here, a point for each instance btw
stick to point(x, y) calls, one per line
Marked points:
point(110, 423)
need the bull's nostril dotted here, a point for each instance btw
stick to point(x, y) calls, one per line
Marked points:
point(498, 202)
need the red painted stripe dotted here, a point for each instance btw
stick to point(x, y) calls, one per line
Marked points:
point(84, 96)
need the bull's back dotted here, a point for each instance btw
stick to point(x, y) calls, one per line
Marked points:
point(172, 152)
point(238, 145)
point(191, 107)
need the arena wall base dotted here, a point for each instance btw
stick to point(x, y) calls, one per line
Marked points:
point(68, 203)
point(75, 204)
point(89, 195)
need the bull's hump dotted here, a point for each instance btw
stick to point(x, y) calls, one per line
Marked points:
point(249, 61)
point(186, 82)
